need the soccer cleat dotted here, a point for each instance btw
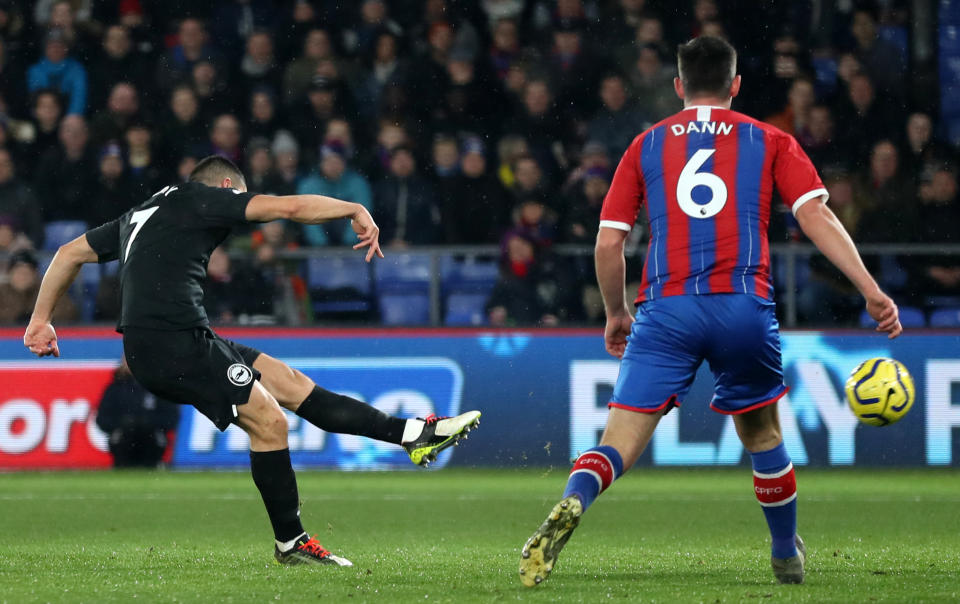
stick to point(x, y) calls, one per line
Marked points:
point(790, 570)
point(308, 551)
point(438, 434)
point(540, 552)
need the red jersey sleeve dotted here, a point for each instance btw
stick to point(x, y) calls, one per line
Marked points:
point(796, 179)
point(623, 200)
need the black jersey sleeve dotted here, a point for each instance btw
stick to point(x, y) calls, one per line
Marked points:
point(223, 207)
point(105, 241)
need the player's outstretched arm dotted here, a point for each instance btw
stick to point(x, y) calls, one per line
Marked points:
point(611, 274)
point(40, 336)
point(317, 209)
point(823, 228)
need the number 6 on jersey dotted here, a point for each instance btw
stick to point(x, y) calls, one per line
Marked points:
point(691, 178)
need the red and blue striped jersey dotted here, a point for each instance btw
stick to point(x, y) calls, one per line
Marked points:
point(705, 176)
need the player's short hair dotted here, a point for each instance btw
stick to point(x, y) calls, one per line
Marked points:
point(211, 171)
point(707, 65)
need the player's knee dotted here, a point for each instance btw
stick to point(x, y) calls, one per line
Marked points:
point(274, 424)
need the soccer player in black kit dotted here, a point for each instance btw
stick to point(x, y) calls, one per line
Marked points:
point(163, 246)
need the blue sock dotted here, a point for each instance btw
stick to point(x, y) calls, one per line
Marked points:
point(776, 488)
point(593, 472)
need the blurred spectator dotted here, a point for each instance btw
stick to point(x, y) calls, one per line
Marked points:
point(652, 83)
point(233, 21)
point(817, 140)
point(543, 124)
point(582, 221)
point(862, 119)
point(135, 421)
point(939, 213)
point(529, 182)
point(145, 172)
point(473, 205)
point(299, 73)
point(510, 148)
point(18, 205)
point(622, 19)
point(536, 220)
point(259, 164)
point(374, 18)
point(335, 179)
point(258, 67)
point(211, 90)
point(920, 148)
point(264, 119)
point(235, 294)
point(59, 71)
point(882, 60)
point(617, 123)
point(112, 194)
point(390, 134)
point(470, 102)
point(183, 131)
point(505, 50)
point(66, 174)
point(530, 288)
point(573, 68)
point(73, 21)
point(592, 155)
point(404, 204)
point(794, 119)
point(383, 66)
point(117, 62)
point(886, 193)
point(428, 82)
point(225, 138)
point(110, 123)
point(19, 293)
point(42, 134)
point(323, 104)
point(286, 153)
point(12, 240)
point(178, 63)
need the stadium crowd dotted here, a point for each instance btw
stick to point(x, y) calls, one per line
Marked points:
point(492, 122)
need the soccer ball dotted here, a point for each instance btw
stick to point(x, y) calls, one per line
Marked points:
point(880, 392)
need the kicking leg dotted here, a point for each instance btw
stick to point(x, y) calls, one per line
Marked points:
point(262, 419)
point(776, 488)
point(333, 412)
point(624, 440)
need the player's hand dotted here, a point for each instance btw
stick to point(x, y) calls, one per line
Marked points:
point(883, 310)
point(41, 339)
point(616, 332)
point(367, 232)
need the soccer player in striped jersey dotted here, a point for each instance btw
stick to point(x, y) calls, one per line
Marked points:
point(705, 178)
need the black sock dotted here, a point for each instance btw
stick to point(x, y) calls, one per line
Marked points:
point(333, 412)
point(273, 475)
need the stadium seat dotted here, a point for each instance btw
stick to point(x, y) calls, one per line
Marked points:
point(466, 309)
point(337, 272)
point(910, 316)
point(340, 285)
point(945, 317)
point(469, 274)
point(403, 273)
point(59, 232)
point(405, 309)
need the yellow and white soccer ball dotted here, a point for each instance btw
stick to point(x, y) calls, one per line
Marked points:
point(880, 392)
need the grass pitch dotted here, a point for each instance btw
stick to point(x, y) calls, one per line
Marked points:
point(455, 536)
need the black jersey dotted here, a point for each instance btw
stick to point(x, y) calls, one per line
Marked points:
point(163, 246)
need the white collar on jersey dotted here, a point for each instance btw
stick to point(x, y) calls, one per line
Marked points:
point(703, 111)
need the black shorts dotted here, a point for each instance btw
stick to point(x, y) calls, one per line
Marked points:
point(193, 367)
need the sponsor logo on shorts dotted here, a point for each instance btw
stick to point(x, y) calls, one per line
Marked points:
point(239, 374)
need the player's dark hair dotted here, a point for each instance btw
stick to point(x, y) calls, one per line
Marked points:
point(707, 66)
point(211, 170)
